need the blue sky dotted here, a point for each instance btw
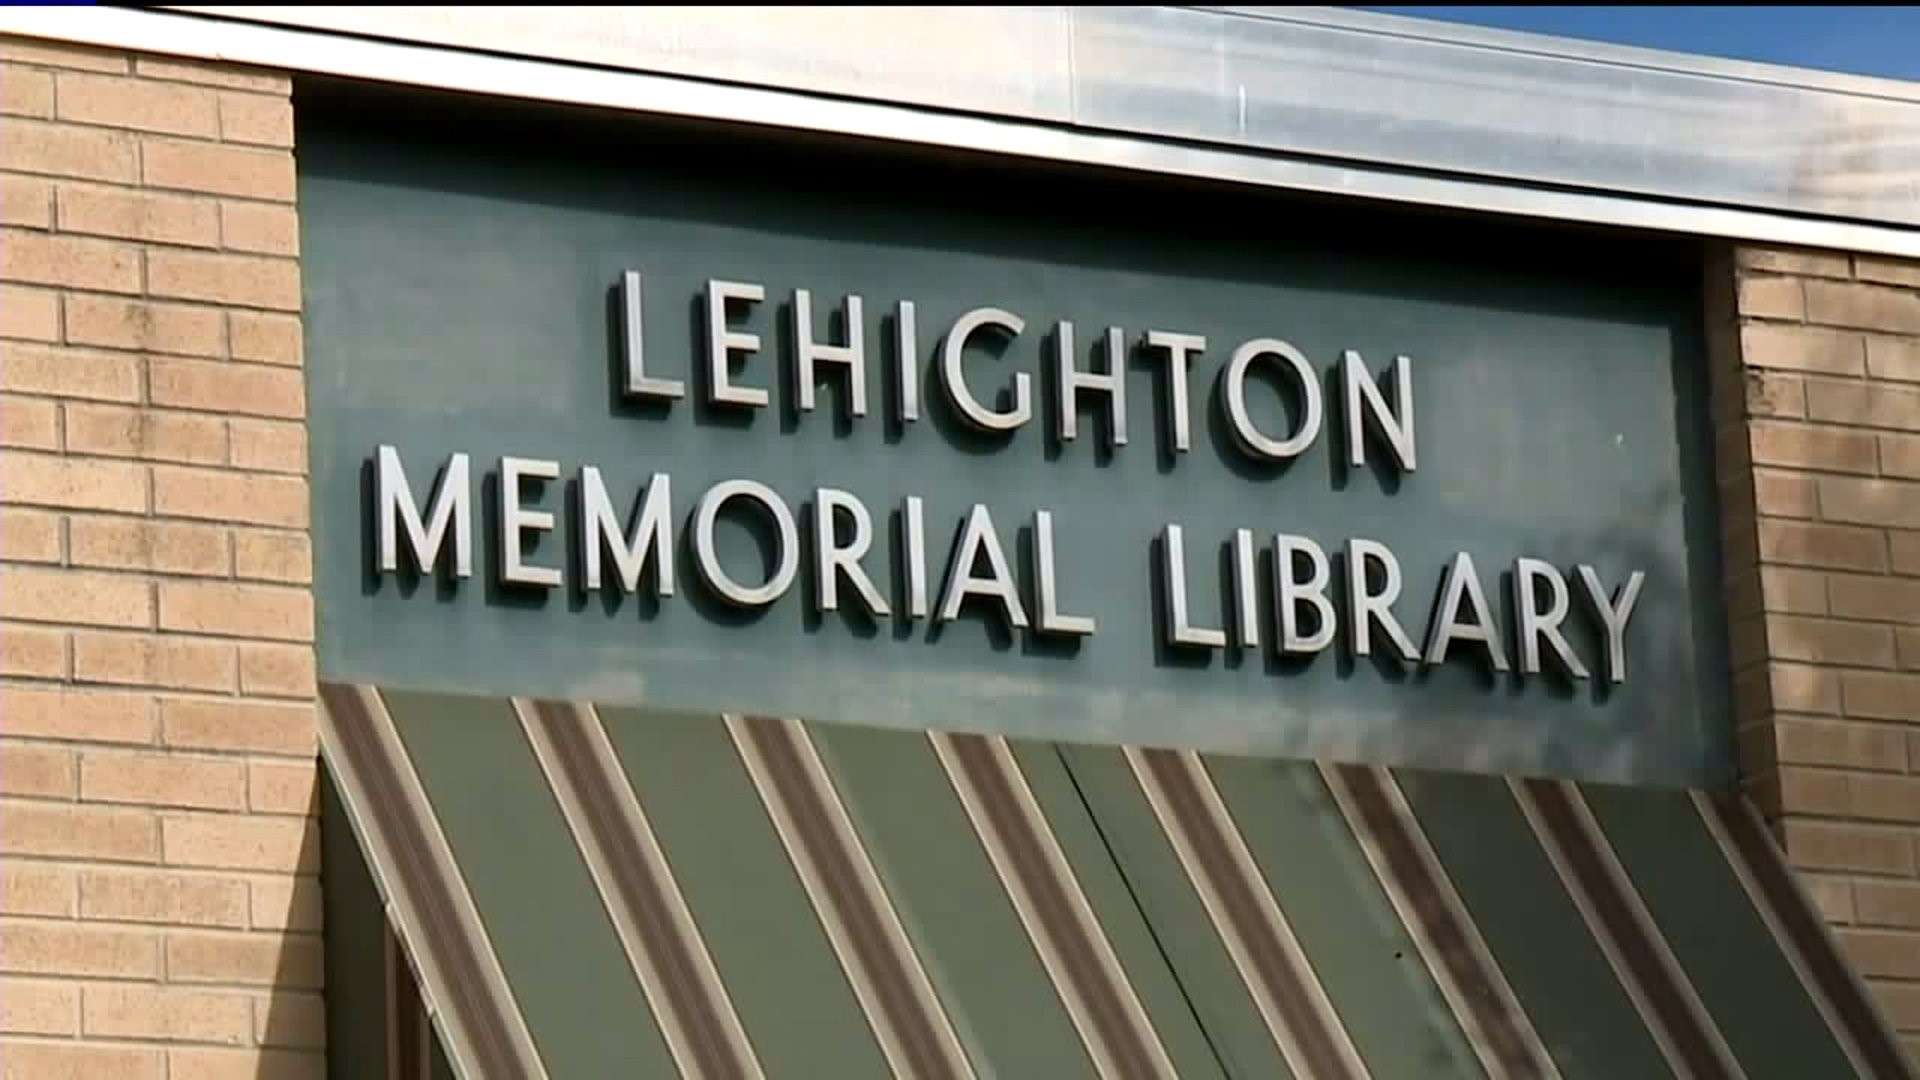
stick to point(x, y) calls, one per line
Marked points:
point(1882, 41)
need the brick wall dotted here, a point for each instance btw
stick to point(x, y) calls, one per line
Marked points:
point(159, 910)
point(1817, 393)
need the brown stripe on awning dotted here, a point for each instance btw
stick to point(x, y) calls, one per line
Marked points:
point(1606, 898)
point(1416, 883)
point(1802, 936)
point(487, 1035)
point(848, 896)
point(1272, 964)
point(1058, 919)
point(409, 1032)
point(649, 915)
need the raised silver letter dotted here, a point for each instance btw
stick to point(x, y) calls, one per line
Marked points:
point(1613, 615)
point(832, 560)
point(1074, 382)
point(1047, 585)
point(450, 507)
point(976, 538)
point(913, 522)
point(639, 383)
point(1364, 401)
point(908, 357)
point(515, 521)
point(1234, 387)
point(1534, 623)
point(786, 559)
point(808, 352)
point(722, 342)
point(650, 535)
point(1291, 592)
point(1458, 583)
point(1364, 606)
point(1246, 590)
point(1180, 631)
point(1180, 349)
point(953, 374)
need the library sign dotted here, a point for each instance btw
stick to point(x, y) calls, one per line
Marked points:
point(1000, 467)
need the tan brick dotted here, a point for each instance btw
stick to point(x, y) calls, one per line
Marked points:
point(21, 1060)
point(33, 652)
point(146, 434)
point(1796, 348)
point(1799, 688)
point(217, 277)
point(33, 314)
point(287, 903)
point(81, 832)
point(73, 596)
point(272, 556)
point(26, 202)
point(237, 842)
point(1807, 446)
point(173, 547)
point(1877, 695)
point(1828, 641)
point(1886, 798)
point(1900, 456)
point(73, 483)
point(26, 92)
point(1893, 358)
point(80, 715)
point(1868, 404)
point(278, 787)
point(223, 75)
point(265, 337)
point(158, 660)
point(276, 670)
point(138, 104)
point(1831, 896)
point(1886, 271)
point(1863, 306)
point(78, 262)
point(1773, 394)
point(1888, 903)
point(61, 55)
point(143, 896)
point(149, 779)
point(152, 1012)
point(30, 888)
point(1905, 548)
point(260, 390)
point(1792, 261)
point(76, 373)
point(138, 215)
point(242, 498)
point(1885, 599)
point(1891, 503)
point(1828, 546)
point(256, 118)
point(1813, 791)
point(1881, 952)
point(267, 228)
point(269, 445)
point(291, 1020)
point(36, 770)
point(36, 1007)
point(84, 153)
point(29, 423)
point(64, 948)
point(1906, 642)
point(196, 1063)
point(29, 535)
point(241, 726)
point(1865, 849)
point(218, 169)
point(256, 611)
point(144, 325)
point(255, 959)
point(1772, 298)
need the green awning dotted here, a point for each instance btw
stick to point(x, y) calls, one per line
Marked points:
point(599, 892)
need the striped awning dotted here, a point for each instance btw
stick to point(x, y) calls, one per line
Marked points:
point(600, 892)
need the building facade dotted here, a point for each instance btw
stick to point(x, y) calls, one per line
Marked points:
point(243, 260)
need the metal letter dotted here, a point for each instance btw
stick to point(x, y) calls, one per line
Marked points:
point(852, 355)
point(450, 507)
point(1291, 592)
point(1074, 382)
point(1234, 387)
point(1363, 391)
point(1180, 349)
point(1179, 630)
point(832, 560)
point(1460, 582)
point(650, 533)
point(913, 522)
point(1534, 623)
point(1048, 586)
point(514, 521)
point(953, 374)
point(978, 537)
point(1363, 607)
point(1246, 587)
point(639, 383)
point(786, 555)
point(908, 349)
point(1613, 615)
point(721, 342)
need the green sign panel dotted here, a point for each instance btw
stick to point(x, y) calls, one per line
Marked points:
point(700, 423)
